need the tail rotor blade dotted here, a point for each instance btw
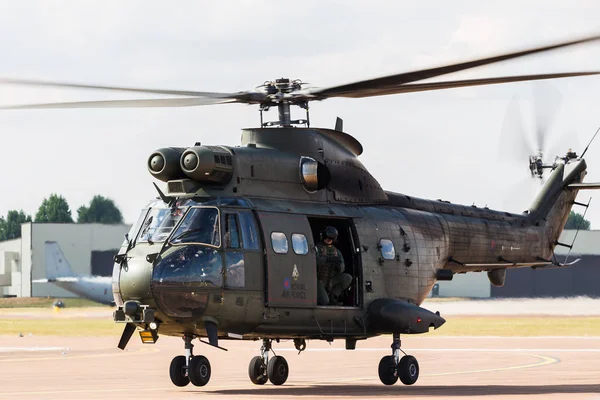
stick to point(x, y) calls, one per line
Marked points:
point(546, 103)
point(514, 144)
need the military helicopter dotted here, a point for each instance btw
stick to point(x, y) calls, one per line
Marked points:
point(228, 252)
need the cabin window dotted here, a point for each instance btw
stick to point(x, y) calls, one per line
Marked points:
point(387, 249)
point(234, 268)
point(232, 236)
point(279, 242)
point(248, 228)
point(299, 243)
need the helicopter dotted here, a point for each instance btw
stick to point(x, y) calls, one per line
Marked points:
point(229, 250)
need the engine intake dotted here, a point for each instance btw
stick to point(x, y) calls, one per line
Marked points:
point(164, 163)
point(207, 164)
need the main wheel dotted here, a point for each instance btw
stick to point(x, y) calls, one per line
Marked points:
point(388, 370)
point(257, 370)
point(199, 370)
point(408, 370)
point(278, 370)
point(177, 372)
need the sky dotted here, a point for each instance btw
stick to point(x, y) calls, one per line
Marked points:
point(460, 145)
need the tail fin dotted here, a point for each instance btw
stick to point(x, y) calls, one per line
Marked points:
point(57, 265)
point(553, 204)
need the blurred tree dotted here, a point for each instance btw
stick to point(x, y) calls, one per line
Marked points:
point(10, 228)
point(54, 209)
point(101, 210)
point(576, 221)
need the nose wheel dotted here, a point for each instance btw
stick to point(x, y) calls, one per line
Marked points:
point(189, 368)
point(263, 368)
point(393, 367)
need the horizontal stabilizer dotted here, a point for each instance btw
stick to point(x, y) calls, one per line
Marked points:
point(584, 186)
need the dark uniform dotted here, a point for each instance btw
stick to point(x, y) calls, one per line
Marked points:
point(331, 279)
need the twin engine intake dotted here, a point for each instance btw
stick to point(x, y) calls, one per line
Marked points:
point(208, 164)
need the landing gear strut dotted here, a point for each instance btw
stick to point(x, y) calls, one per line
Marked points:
point(263, 368)
point(393, 367)
point(189, 368)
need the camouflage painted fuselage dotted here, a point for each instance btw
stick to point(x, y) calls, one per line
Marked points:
point(279, 300)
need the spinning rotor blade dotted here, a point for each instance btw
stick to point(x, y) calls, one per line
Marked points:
point(182, 102)
point(546, 101)
point(513, 143)
point(422, 87)
point(394, 83)
point(30, 82)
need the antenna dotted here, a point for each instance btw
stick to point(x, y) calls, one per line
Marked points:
point(593, 137)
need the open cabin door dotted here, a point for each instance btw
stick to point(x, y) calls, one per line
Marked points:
point(291, 261)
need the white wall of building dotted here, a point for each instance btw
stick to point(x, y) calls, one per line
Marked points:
point(77, 242)
point(23, 260)
point(10, 267)
point(471, 284)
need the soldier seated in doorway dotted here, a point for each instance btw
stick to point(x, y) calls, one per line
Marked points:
point(331, 278)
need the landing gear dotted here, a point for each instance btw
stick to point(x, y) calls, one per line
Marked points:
point(189, 368)
point(393, 367)
point(263, 368)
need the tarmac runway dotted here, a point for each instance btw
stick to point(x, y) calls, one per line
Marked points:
point(37, 367)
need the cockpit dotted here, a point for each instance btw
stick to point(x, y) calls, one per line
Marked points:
point(199, 226)
point(156, 223)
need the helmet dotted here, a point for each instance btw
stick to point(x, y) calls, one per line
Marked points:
point(330, 233)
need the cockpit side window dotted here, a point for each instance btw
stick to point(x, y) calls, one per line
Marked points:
point(199, 226)
point(249, 232)
point(232, 236)
point(135, 228)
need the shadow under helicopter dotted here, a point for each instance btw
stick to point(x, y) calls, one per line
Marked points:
point(368, 391)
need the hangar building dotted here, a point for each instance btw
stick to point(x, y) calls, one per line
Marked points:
point(89, 249)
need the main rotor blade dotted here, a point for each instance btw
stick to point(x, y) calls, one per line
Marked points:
point(182, 102)
point(374, 87)
point(423, 87)
point(31, 82)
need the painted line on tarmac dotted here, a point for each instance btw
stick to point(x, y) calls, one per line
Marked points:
point(495, 350)
point(544, 361)
point(12, 349)
point(67, 356)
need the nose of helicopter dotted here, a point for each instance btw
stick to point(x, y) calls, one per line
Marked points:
point(131, 279)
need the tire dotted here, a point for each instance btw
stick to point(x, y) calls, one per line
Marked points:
point(388, 370)
point(177, 372)
point(199, 370)
point(257, 371)
point(278, 370)
point(408, 370)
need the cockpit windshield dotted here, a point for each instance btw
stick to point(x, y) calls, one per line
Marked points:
point(159, 222)
point(200, 226)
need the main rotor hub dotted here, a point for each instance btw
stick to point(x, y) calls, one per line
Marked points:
point(280, 92)
point(282, 85)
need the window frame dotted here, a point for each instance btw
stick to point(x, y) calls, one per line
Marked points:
point(305, 242)
point(170, 238)
point(380, 245)
point(227, 224)
point(287, 244)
